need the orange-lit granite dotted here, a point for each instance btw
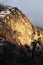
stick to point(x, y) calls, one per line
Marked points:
point(16, 27)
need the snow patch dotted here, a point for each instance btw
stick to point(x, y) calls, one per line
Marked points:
point(4, 13)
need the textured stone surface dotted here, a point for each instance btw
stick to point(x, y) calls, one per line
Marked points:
point(15, 27)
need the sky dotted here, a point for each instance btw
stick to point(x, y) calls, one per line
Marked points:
point(33, 9)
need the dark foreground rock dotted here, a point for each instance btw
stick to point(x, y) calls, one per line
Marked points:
point(11, 54)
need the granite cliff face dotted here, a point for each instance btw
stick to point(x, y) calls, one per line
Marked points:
point(15, 27)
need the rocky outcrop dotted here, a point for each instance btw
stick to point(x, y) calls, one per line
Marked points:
point(16, 27)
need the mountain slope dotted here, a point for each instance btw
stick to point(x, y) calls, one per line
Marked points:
point(17, 28)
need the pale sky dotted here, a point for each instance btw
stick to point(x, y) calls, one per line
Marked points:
point(33, 9)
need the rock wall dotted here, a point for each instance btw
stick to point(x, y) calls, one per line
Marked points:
point(16, 27)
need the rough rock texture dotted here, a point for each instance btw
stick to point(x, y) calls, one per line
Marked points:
point(15, 27)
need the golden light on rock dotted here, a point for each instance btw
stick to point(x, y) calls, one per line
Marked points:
point(15, 27)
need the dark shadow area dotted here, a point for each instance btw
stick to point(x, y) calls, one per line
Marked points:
point(2, 7)
point(11, 54)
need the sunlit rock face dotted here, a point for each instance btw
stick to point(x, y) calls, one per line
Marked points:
point(16, 27)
